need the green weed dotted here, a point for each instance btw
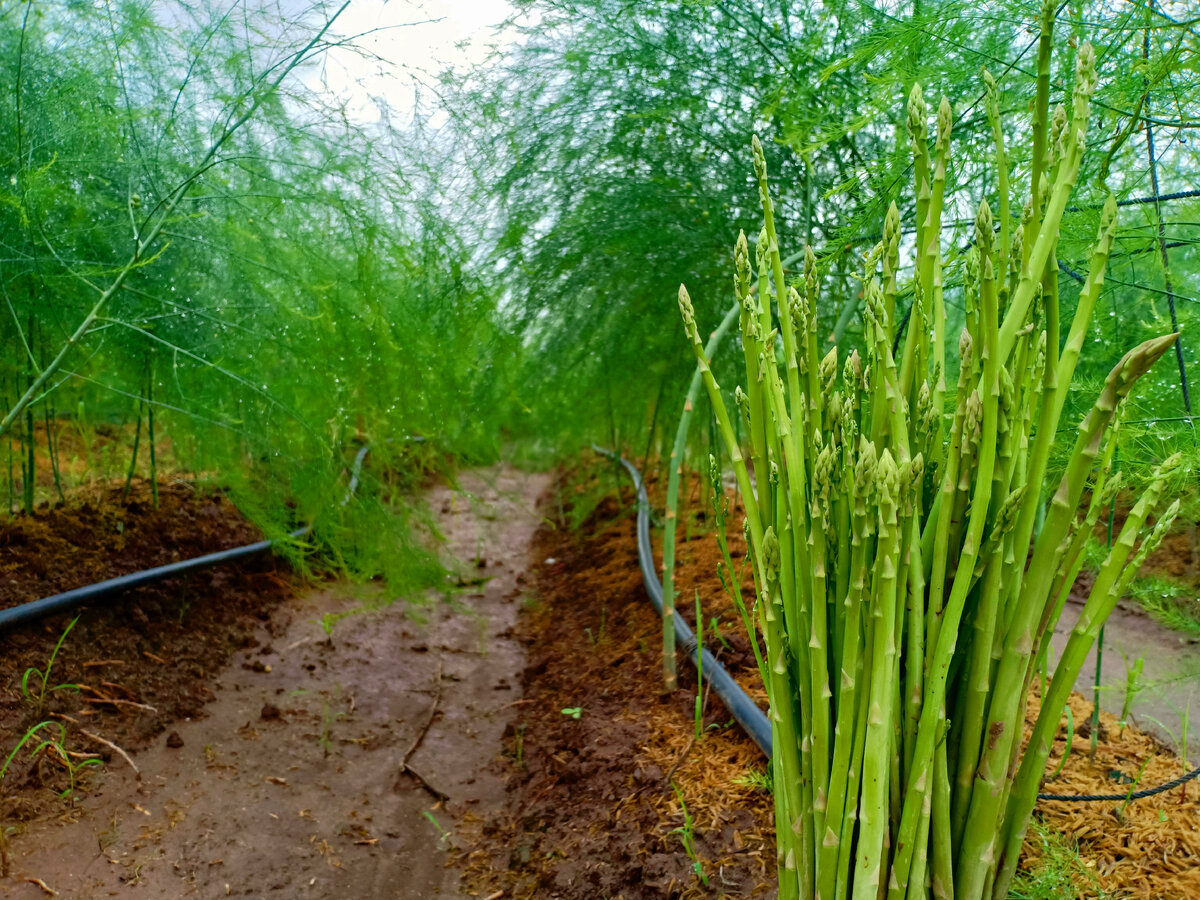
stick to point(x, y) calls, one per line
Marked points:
point(759, 779)
point(688, 838)
point(329, 620)
point(1061, 875)
point(1134, 685)
point(57, 743)
point(38, 700)
point(328, 719)
point(1069, 737)
point(443, 834)
point(519, 746)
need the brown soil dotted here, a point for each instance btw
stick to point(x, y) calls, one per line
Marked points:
point(591, 811)
point(95, 452)
point(142, 660)
point(316, 767)
point(1176, 559)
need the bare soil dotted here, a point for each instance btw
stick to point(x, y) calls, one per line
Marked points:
point(142, 660)
point(599, 804)
point(319, 767)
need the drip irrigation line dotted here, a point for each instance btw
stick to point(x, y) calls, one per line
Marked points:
point(1137, 795)
point(744, 710)
point(36, 609)
point(356, 471)
point(737, 701)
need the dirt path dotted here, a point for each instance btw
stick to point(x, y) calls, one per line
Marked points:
point(292, 785)
point(1170, 673)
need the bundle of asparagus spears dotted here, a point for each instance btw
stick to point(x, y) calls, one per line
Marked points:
point(908, 562)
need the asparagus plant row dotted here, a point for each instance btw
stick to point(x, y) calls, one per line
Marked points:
point(908, 565)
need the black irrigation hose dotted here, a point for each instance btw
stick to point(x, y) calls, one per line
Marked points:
point(1137, 795)
point(35, 609)
point(745, 710)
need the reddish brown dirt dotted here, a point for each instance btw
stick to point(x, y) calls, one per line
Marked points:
point(591, 809)
point(142, 660)
point(310, 772)
point(1177, 558)
point(100, 534)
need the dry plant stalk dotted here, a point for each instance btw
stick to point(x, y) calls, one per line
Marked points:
point(903, 591)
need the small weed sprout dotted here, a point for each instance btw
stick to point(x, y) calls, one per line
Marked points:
point(443, 834)
point(53, 743)
point(758, 779)
point(519, 745)
point(1133, 786)
point(1134, 685)
point(328, 717)
point(575, 712)
point(328, 622)
point(687, 837)
point(29, 736)
point(38, 701)
point(1069, 740)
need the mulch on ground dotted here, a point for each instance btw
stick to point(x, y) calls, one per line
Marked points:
point(141, 660)
point(1148, 848)
point(593, 808)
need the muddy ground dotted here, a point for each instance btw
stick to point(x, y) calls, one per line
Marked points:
point(318, 767)
point(609, 795)
point(1166, 695)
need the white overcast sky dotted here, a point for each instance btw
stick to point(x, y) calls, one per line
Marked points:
point(455, 33)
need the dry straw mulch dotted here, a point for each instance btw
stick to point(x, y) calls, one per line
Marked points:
point(1148, 848)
